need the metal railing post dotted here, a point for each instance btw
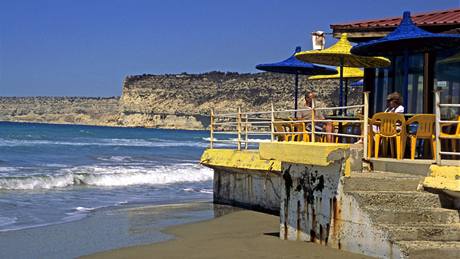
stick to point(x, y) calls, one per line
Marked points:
point(239, 128)
point(272, 124)
point(366, 124)
point(437, 100)
point(211, 130)
point(246, 132)
point(313, 102)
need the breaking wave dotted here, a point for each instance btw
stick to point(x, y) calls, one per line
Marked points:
point(105, 142)
point(109, 176)
point(5, 221)
point(236, 139)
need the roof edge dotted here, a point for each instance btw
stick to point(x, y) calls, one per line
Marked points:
point(396, 19)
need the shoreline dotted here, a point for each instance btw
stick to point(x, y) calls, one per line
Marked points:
point(98, 125)
point(240, 234)
point(104, 229)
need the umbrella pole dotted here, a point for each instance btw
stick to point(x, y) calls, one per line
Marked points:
point(296, 94)
point(341, 86)
point(346, 95)
point(405, 79)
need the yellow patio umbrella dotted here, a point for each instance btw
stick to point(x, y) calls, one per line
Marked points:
point(348, 73)
point(339, 55)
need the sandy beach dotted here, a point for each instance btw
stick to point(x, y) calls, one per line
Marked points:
point(240, 234)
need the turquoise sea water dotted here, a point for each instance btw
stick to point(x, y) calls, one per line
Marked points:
point(58, 173)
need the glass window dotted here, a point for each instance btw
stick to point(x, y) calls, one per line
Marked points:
point(382, 88)
point(414, 99)
point(447, 78)
point(391, 79)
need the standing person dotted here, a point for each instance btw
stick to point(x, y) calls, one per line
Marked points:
point(307, 113)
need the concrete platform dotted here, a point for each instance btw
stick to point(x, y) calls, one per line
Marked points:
point(403, 216)
point(415, 222)
point(405, 166)
point(431, 249)
point(397, 200)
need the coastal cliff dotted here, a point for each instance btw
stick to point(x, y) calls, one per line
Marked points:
point(180, 101)
point(185, 100)
point(61, 110)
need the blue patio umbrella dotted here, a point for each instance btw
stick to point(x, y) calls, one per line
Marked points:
point(296, 67)
point(405, 39)
point(359, 83)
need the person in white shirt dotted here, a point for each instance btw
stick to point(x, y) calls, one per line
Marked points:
point(394, 103)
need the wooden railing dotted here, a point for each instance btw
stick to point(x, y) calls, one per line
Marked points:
point(438, 125)
point(241, 127)
point(246, 130)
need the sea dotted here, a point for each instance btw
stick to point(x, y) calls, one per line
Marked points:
point(53, 174)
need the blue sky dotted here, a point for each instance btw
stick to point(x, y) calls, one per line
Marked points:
point(87, 47)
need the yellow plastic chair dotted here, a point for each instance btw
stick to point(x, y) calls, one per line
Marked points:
point(370, 138)
point(299, 132)
point(425, 130)
point(390, 126)
point(281, 130)
point(452, 138)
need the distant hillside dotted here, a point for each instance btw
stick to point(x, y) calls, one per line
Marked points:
point(68, 110)
point(170, 101)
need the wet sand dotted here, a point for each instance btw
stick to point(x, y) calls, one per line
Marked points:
point(102, 230)
point(241, 234)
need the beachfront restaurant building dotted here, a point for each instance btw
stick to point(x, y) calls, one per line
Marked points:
point(439, 69)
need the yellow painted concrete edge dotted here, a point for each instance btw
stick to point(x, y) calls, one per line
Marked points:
point(242, 159)
point(443, 178)
point(321, 154)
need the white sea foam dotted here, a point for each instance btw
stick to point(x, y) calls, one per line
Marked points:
point(124, 176)
point(252, 139)
point(7, 169)
point(84, 209)
point(236, 139)
point(110, 176)
point(105, 142)
point(198, 190)
point(53, 165)
point(35, 182)
point(5, 221)
point(77, 213)
point(116, 158)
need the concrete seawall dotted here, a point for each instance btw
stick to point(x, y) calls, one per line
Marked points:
point(315, 208)
point(322, 198)
point(242, 179)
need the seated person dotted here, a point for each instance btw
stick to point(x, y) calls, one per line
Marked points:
point(394, 103)
point(306, 115)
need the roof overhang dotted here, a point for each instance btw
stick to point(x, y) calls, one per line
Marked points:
point(446, 21)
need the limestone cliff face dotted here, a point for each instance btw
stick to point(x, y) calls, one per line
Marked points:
point(66, 110)
point(180, 101)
